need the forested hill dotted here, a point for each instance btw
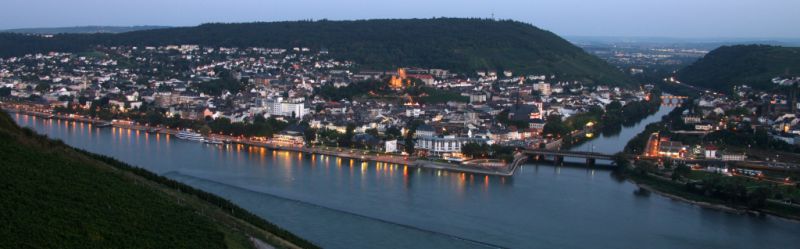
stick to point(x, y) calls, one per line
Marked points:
point(463, 45)
point(754, 65)
point(54, 196)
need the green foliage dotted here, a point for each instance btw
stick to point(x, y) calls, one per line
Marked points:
point(328, 137)
point(226, 82)
point(5, 91)
point(205, 130)
point(738, 111)
point(55, 196)
point(392, 133)
point(409, 139)
point(475, 150)
point(54, 201)
point(355, 89)
point(556, 127)
point(437, 96)
point(373, 132)
point(680, 171)
point(733, 190)
point(309, 135)
point(638, 143)
point(462, 45)
point(260, 127)
point(346, 140)
point(495, 151)
point(754, 65)
point(614, 116)
point(621, 161)
point(42, 86)
point(759, 139)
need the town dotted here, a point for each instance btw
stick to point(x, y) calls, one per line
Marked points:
point(353, 124)
point(296, 97)
point(307, 100)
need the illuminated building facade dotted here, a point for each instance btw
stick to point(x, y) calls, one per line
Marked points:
point(400, 80)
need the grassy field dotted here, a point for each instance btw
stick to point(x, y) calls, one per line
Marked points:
point(56, 197)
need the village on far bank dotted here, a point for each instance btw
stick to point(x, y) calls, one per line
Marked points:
point(259, 92)
point(299, 96)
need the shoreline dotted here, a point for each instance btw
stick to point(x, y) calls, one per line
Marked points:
point(507, 171)
point(420, 163)
point(713, 206)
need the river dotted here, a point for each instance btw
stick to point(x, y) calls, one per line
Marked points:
point(339, 203)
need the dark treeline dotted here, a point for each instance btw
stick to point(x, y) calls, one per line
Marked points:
point(462, 45)
point(753, 65)
point(494, 151)
point(610, 120)
point(734, 191)
point(637, 144)
point(153, 116)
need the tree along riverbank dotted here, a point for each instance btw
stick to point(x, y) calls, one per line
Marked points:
point(608, 120)
point(346, 153)
point(678, 181)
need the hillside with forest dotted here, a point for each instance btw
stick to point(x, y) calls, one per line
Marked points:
point(753, 65)
point(461, 45)
point(54, 196)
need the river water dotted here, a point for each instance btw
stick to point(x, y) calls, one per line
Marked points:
point(339, 203)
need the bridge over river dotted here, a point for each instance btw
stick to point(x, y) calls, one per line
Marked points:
point(559, 155)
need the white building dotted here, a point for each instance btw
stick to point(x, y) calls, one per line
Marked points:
point(543, 88)
point(440, 145)
point(711, 151)
point(279, 107)
point(391, 146)
point(733, 157)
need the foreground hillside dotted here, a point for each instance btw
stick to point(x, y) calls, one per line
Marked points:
point(56, 197)
point(463, 45)
point(754, 65)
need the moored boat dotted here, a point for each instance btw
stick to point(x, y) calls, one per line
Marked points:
point(190, 135)
point(213, 141)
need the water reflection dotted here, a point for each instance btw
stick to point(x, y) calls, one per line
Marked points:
point(540, 207)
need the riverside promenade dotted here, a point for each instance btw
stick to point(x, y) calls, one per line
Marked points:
point(473, 167)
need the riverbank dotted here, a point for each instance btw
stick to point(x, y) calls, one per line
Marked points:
point(95, 195)
point(409, 161)
point(647, 178)
point(297, 191)
point(672, 191)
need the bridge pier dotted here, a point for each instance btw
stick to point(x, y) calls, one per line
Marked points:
point(558, 156)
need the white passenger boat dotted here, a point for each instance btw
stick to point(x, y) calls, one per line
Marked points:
point(190, 135)
point(213, 141)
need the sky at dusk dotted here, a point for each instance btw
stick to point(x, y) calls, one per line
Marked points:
point(661, 18)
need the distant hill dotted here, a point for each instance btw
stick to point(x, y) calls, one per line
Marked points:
point(672, 42)
point(54, 196)
point(463, 45)
point(754, 65)
point(81, 30)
